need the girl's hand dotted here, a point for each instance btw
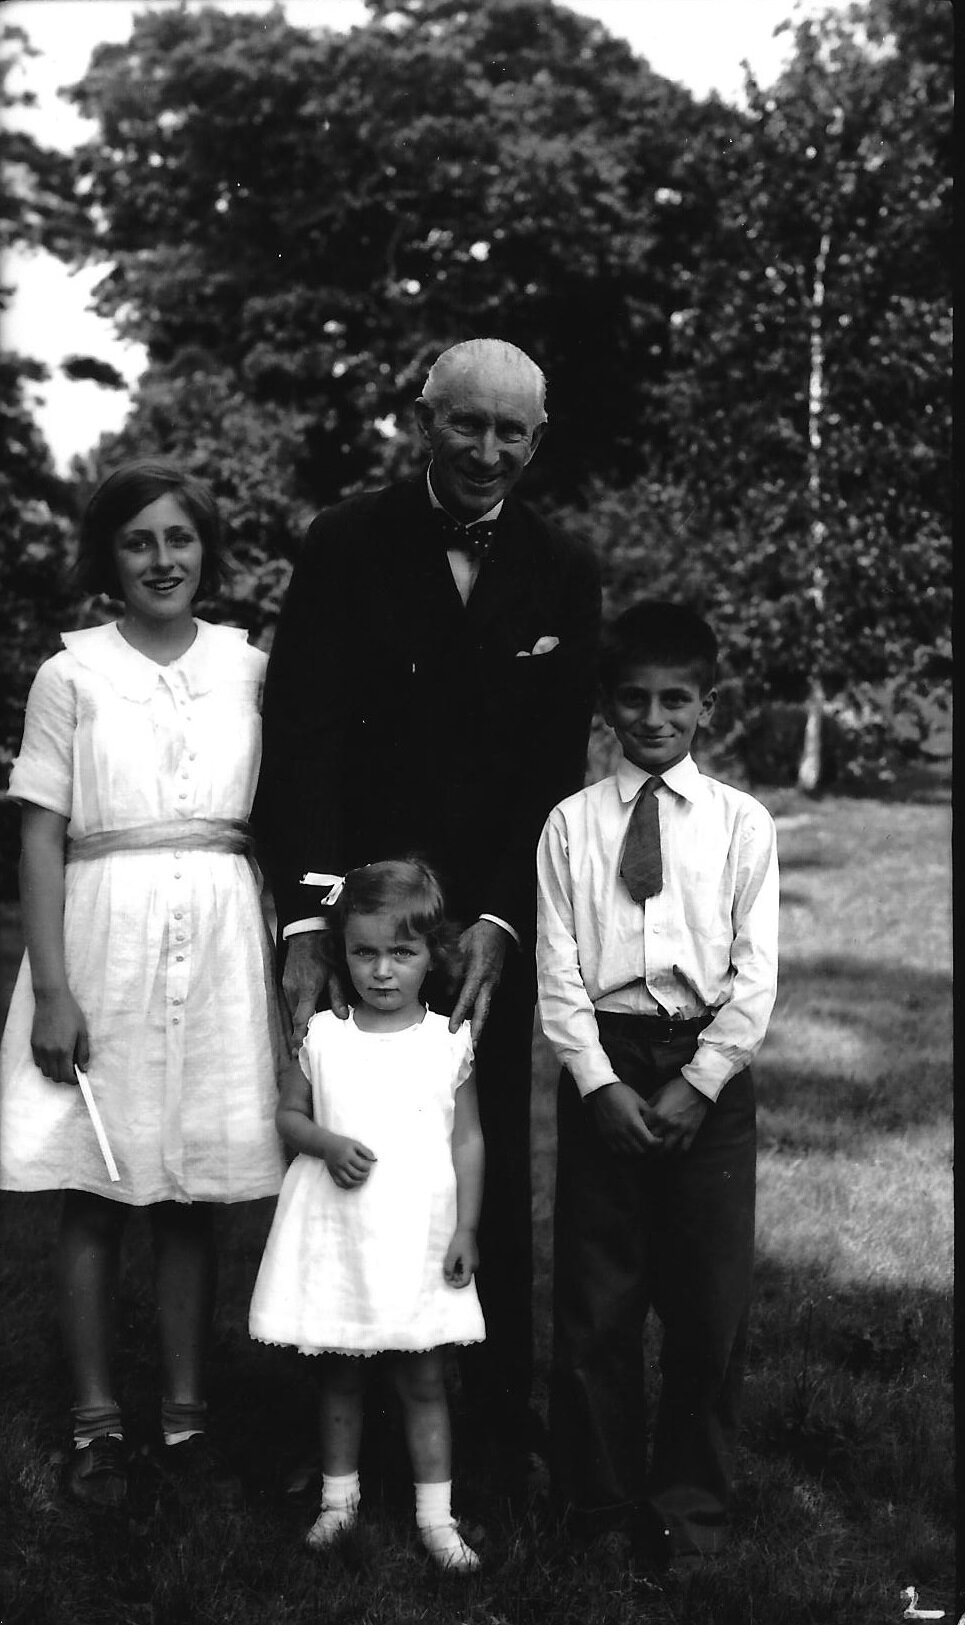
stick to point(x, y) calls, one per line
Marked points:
point(348, 1161)
point(58, 1038)
point(462, 1256)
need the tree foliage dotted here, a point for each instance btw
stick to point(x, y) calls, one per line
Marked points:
point(294, 222)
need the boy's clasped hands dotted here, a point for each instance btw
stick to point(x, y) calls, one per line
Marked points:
point(660, 1126)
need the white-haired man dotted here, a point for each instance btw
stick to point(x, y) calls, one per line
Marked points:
point(430, 690)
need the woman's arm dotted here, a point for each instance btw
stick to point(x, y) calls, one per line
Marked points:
point(468, 1159)
point(59, 1035)
point(348, 1161)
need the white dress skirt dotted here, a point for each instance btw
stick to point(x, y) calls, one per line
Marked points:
point(168, 952)
point(360, 1271)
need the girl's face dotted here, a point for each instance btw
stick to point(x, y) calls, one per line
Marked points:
point(158, 556)
point(387, 968)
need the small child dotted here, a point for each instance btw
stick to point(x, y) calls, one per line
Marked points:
point(657, 958)
point(373, 1245)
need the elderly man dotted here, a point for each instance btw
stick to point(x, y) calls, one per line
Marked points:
point(430, 690)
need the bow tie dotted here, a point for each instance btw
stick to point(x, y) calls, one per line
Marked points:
point(476, 540)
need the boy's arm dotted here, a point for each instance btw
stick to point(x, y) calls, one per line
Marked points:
point(566, 1009)
point(468, 1160)
point(737, 1031)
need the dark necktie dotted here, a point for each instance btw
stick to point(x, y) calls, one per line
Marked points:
point(641, 867)
point(476, 540)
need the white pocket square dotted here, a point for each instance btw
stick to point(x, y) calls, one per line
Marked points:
point(542, 646)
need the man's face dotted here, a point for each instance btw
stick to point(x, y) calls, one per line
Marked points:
point(481, 434)
point(655, 712)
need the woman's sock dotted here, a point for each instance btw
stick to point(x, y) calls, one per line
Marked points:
point(437, 1527)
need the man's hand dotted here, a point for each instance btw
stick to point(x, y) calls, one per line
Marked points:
point(484, 946)
point(59, 1037)
point(306, 976)
point(624, 1120)
point(348, 1161)
point(676, 1113)
point(462, 1257)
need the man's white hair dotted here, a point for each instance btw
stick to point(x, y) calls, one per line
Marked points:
point(466, 357)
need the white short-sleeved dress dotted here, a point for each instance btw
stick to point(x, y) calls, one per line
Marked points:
point(360, 1271)
point(168, 953)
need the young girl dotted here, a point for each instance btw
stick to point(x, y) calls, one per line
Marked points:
point(373, 1245)
point(148, 962)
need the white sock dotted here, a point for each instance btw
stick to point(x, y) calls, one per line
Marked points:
point(179, 1438)
point(437, 1527)
point(339, 1510)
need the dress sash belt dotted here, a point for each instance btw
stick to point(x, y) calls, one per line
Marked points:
point(191, 834)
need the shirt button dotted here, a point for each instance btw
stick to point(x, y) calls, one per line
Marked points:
point(177, 1001)
point(177, 854)
point(179, 939)
point(175, 1021)
point(177, 874)
point(179, 957)
point(179, 916)
point(182, 795)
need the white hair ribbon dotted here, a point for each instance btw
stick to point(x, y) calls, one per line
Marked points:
point(335, 882)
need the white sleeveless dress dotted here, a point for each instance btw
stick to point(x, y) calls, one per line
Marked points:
point(360, 1271)
point(168, 953)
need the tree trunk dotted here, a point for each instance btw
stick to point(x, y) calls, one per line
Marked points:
point(811, 764)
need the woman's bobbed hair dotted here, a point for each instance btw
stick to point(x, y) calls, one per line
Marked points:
point(408, 889)
point(131, 487)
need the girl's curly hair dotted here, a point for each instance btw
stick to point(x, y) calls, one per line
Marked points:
point(409, 890)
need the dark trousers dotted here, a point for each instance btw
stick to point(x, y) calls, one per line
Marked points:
point(497, 1375)
point(631, 1234)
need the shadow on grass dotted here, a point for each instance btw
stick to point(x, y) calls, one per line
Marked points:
point(854, 1045)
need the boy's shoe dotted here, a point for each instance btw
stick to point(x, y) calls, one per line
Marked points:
point(198, 1462)
point(330, 1525)
point(98, 1473)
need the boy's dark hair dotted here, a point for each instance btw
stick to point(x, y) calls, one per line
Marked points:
point(131, 487)
point(410, 890)
point(662, 633)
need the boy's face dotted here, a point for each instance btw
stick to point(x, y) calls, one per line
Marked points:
point(655, 712)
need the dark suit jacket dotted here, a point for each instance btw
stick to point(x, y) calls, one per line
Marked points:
point(398, 719)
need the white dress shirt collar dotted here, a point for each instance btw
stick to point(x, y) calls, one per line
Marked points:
point(683, 778)
point(481, 519)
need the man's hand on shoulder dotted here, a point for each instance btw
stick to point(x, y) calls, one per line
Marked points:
point(484, 946)
point(624, 1120)
point(676, 1113)
point(307, 975)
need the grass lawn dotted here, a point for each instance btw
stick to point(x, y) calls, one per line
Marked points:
point(845, 1491)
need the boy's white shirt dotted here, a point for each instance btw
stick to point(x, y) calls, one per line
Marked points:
point(707, 941)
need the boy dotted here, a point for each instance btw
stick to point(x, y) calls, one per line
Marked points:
point(657, 959)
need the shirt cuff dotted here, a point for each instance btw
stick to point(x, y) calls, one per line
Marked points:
point(708, 1073)
point(503, 924)
point(294, 927)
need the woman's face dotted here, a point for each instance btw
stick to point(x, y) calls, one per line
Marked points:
point(158, 556)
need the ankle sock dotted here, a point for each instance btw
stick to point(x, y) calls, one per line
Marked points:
point(437, 1527)
point(182, 1419)
point(339, 1509)
point(96, 1422)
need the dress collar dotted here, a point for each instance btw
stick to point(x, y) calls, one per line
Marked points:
point(683, 779)
point(104, 650)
